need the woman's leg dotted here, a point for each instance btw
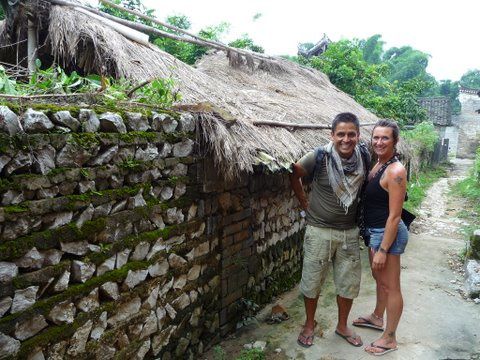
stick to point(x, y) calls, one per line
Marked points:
point(381, 302)
point(395, 299)
point(389, 280)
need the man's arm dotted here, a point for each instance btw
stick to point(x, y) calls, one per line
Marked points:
point(296, 184)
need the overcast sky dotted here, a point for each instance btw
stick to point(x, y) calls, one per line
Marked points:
point(447, 30)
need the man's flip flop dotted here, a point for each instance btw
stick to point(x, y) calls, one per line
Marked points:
point(366, 323)
point(350, 339)
point(385, 350)
point(306, 341)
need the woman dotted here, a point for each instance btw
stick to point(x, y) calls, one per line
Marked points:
point(384, 197)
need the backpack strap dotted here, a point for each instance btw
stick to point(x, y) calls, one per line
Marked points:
point(320, 154)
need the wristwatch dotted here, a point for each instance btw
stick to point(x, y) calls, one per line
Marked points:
point(382, 250)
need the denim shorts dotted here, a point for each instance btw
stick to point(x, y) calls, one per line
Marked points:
point(398, 246)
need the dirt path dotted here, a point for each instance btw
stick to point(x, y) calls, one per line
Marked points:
point(437, 322)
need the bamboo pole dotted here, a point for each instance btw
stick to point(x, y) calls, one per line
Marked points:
point(32, 46)
point(296, 126)
point(128, 32)
point(136, 26)
point(153, 31)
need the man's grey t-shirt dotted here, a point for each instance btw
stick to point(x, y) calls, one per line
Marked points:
point(324, 209)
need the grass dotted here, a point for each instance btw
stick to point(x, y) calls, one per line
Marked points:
point(418, 186)
point(250, 354)
point(469, 190)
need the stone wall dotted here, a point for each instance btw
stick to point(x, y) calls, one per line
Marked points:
point(103, 250)
point(261, 236)
point(119, 238)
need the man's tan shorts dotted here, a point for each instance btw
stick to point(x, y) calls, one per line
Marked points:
point(341, 248)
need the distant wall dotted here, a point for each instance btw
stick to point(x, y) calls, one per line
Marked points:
point(468, 125)
point(451, 133)
point(438, 110)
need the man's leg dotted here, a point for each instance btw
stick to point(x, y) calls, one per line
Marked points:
point(315, 267)
point(306, 336)
point(344, 306)
point(310, 308)
point(346, 274)
point(375, 318)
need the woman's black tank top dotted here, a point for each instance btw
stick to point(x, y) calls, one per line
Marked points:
point(376, 202)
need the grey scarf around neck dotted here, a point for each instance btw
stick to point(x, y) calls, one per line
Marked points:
point(345, 175)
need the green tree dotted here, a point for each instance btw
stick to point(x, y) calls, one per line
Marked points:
point(128, 4)
point(372, 49)
point(368, 83)
point(407, 63)
point(245, 42)
point(189, 53)
point(471, 79)
point(451, 90)
point(186, 52)
point(343, 63)
point(398, 101)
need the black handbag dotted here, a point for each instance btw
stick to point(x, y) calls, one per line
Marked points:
point(407, 218)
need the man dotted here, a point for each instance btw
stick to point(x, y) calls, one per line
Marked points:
point(332, 235)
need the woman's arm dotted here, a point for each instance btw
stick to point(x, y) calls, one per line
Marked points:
point(394, 180)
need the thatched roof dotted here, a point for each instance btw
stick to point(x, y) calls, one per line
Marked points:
point(276, 90)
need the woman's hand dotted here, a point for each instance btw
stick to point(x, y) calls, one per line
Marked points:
point(379, 260)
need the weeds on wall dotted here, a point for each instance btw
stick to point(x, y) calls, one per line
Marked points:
point(55, 80)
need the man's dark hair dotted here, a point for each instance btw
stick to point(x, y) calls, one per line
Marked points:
point(389, 124)
point(345, 117)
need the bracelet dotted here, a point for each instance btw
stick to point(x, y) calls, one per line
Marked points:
point(382, 250)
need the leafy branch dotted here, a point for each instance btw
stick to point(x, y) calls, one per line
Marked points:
point(55, 81)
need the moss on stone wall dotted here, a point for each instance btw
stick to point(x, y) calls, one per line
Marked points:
point(54, 271)
point(15, 209)
point(44, 306)
point(49, 239)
